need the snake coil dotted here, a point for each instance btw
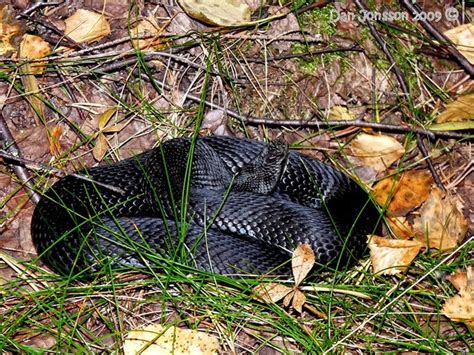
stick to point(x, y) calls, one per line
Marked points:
point(245, 208)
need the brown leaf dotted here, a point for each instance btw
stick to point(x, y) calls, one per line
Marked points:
point(54, 144)
point(288, 298)
point(101, 147)
point(86, 26)
point(391, 256)
point(271, 292)
point(217, 12)
point(460, 110)
point(400, 227)
point(463, 37)
point(458, 279)
point(9, 29)
point(299, 299)
point(147, 27)
point(440, 225)
point(157, 339)
point(34, 47)
point(404, 193)
point(460, 307)
point(375, 151)
point(302, 262)
point(115, 128)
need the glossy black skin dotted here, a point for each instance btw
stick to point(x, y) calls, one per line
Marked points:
point(79, 226)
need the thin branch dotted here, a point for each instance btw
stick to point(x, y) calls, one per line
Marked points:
point(31, 165)
point(415, 10)
point(8, 142)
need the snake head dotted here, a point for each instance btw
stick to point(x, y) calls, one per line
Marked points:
point(263, 174)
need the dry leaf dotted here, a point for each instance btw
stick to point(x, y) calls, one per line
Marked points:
point(271, 292)
point(101, 147)
point(34, 47)
point(391, 256)
point(217, 12)
point(440, 225)
point(86, 26)
point(54, 144)
point(147, 27)
point(156, 339)
point(302, 262)
point(341, 113)
point(400, 227)
point(460, 110)
point(105, 117)
point(299, 299)
point(404, 192)
point(9, 29)
point(375, 151)
point(459, 279)
point(463, 37)
point(460, 308)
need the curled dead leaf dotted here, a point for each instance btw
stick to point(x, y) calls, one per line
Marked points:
point(403, 193)
point(86, 26)
point(459, 279)
point(217, 12)
point(391, 256)
point(101, 147)
point(302, 262)
point(440, 225)
point(375, 151)
point(157, 339)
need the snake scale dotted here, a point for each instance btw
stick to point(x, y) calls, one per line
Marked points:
point(246, 207)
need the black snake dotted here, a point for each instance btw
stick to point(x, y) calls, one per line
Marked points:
point(225, 205)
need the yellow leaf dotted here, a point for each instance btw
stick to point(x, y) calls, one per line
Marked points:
point(460, 110)
point(34, 47)
point(32, 93)
point(271, 292)
point(86, 26)
point(463, 37)
point(105, 117)
point(115, 128)
point(101, 146)
point(302, 262)
point(405, 192)
point(156, 339)
point(452, 126)
point(391, 256)
point(217, 12)
point(375, 151)
point(341, 113)
point(440, 224)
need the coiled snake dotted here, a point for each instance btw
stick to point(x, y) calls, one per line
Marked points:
point(233, 205)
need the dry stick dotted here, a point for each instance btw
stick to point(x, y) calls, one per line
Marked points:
point(31, 165)
point(403, 85)
point(322, 124)
point(8, 142)
point(415, 10)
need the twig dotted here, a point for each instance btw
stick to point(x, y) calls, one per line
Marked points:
point(31, 165)
point(322, 124)
point(429, 161)
point(8, 142)
point(38, 5)
point(383, 45)
point(415, 10)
